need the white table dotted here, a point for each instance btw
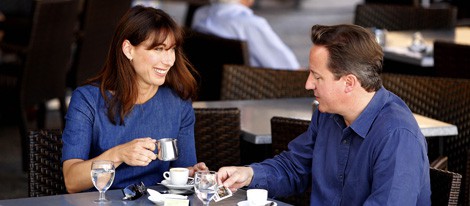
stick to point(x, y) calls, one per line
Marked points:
point(256, 117)
point(86, 198)
point(397, 42)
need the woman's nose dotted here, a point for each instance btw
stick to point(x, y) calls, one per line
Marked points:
point(169, 58)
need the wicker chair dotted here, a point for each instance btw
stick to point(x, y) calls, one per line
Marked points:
point(217, 135)
point(42, 72)
point(445, 187)
point(403, 17)
point(45, 167)
point(246, 82)
point(94, 37)
point(445, 99)
point(283, 130)
point(451, 59)
point(209, 64)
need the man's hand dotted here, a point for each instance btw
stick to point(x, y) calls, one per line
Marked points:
point(234, 177)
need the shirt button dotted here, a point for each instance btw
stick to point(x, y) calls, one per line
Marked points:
point(345, 141)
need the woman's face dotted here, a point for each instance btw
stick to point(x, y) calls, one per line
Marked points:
point(152, 64)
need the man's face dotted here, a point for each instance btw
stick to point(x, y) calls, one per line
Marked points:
point(326, 88)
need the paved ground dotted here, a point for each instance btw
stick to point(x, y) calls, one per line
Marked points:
point(292, 25)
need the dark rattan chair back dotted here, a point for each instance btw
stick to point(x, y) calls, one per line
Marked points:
point(97, 24)
point(246, 82)
point(45, 166)
point(451, 59)
point(49, 51)
point(404, 17)
point(444, 99)
point(208, 53)
point(41, 76)
point(217, 135)
point(283, 130)
point(445, 187)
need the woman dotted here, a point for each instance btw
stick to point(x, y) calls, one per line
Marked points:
point(142, 94)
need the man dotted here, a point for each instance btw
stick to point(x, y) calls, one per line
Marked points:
point(363, 146)
point(233, 19)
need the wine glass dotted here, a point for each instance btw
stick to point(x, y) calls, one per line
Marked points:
point(102, 175)
point(205, 185)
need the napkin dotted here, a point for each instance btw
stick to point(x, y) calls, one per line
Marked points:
point(161, 197)
point(176, 202)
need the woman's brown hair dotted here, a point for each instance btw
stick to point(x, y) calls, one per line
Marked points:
point(118, 75)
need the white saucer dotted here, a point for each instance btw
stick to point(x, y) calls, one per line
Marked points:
point(167, 183)
point(245, 203)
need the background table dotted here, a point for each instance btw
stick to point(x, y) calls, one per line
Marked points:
point(397, 42)
point(255, 116)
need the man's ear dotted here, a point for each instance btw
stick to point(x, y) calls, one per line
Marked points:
point(128, 49)
point(350, 82)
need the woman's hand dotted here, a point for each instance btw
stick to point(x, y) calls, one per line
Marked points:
point(138, 152)
point(201, 166)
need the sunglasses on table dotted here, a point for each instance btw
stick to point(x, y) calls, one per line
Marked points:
point(134, 191)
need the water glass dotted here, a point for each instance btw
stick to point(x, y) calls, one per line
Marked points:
point(102, 175)
point(205, 185)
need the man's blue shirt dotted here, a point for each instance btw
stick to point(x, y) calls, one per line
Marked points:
point(380, 159)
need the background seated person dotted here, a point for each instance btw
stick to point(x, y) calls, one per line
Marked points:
point(233, 19)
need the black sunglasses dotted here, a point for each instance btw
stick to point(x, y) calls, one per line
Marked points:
point(134, 191)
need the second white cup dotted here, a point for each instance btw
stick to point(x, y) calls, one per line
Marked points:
point(257, 197)
point(177, 176)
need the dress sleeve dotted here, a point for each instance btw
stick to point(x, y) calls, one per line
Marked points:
point(186, 143)
point(399, 170)
point(77, 135)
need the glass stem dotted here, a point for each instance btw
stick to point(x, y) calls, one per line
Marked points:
point(102, 197)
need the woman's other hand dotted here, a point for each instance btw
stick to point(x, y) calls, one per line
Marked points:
point(201, 166)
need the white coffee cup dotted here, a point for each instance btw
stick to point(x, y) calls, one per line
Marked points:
point(257, 197)
point(177, 176)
